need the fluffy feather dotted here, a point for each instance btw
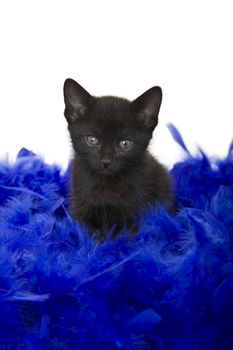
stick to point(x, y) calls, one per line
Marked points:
point(169, 287)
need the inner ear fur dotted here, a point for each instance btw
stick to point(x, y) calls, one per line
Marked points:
point(77, 100)
point(146, 107)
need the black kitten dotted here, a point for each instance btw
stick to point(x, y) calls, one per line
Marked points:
point(113, 174)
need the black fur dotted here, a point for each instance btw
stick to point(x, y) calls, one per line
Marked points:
point(110, 185)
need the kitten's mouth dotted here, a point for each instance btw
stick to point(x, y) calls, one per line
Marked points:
point(107, 171)
point(106, 167)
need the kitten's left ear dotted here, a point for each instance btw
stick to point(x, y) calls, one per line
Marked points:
point(146, 107)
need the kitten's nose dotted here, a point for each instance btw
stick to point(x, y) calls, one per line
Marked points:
point(106, 162)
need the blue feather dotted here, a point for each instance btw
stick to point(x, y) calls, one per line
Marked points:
point(177, 137)
point(168, 288)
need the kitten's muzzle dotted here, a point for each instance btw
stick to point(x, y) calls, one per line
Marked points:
point(106, 162)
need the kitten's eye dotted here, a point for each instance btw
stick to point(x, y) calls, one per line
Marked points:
point(125, 144)
point(91, 140)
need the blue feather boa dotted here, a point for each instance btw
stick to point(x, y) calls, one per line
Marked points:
point(169, 288)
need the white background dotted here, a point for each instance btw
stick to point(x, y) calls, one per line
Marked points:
point(116, 48)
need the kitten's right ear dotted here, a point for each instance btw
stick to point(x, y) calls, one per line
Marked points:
point(77, 100)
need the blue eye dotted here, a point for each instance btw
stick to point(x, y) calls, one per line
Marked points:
point(125, 144)
point(91, 140)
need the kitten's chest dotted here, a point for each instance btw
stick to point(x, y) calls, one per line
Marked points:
point(113, 192)
point(105, 191)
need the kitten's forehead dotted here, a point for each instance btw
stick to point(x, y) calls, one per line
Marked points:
point(112, 111)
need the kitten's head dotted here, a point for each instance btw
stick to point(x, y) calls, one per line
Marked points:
point(108, 133)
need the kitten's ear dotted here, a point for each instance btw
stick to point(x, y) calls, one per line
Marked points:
point(146, 107)
point(77, 100)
